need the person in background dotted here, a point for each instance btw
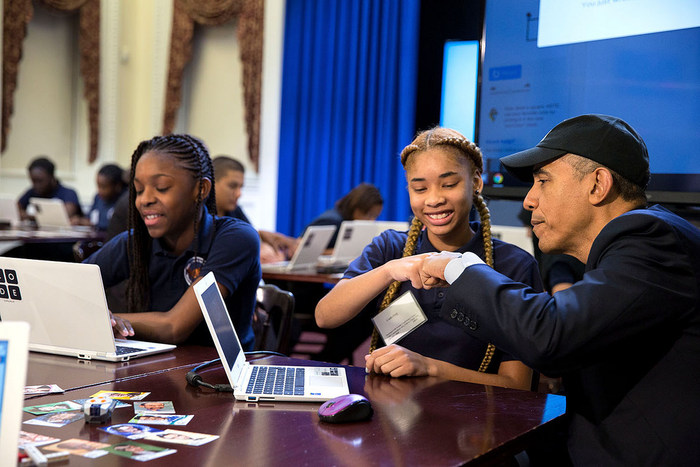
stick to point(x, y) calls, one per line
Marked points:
point(625, 338)
point(110, 186)
point(46, 185)
point(172, 240)
point(230, 176)
point(443, 171)
point(364, 202)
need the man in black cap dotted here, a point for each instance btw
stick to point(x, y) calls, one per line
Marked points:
point(626, 338)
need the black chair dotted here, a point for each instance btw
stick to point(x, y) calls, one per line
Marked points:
point(272, 321)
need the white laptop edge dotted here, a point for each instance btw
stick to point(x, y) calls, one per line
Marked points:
point(16, 334)
point(108, 350)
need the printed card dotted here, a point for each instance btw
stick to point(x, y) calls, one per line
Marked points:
point(181, 437)
point(34, 439)
point(122, 395)
point(80, 447)
point(42, 389)
point(65, 406)
point(400, 318)
point(161, 419)
point(130, 430)
point(57, 419)
point(138, 451)
point(154, 406)
point(119, 404)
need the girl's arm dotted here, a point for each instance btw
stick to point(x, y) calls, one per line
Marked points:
point(349, 296)
point(395, 361)
point(170, 327)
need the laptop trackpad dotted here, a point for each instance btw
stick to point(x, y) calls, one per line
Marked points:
point(326, 381)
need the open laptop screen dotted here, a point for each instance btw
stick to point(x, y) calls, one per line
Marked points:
point(221, 323)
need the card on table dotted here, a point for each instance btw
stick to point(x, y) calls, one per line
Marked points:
point(42, 389)
point(138, 451)
point(154, 406)
point(122, 395)
point(57, 419)
point(161, 419)
point(181, 437)
point(65, 406)
point(130, 430)
point(34, 439)
point(80, 447)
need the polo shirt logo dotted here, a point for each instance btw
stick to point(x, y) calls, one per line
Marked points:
point(193, 269)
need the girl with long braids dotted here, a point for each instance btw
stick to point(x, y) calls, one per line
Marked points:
point(173, 239)
point(443, 170)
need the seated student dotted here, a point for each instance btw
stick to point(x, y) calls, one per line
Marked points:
point(174, 238)
point(443, 170)
point(46, 185)
point(229, 175)
point(364, 202)
point(110, 186)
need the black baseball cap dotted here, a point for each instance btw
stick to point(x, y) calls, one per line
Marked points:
point(601, 138)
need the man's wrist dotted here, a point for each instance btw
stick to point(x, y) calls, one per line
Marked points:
point(456, 267)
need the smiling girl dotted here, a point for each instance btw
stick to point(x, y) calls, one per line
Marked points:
point(173, 239)
point(443, 171)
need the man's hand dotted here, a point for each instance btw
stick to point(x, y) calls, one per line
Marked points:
point(432, 271)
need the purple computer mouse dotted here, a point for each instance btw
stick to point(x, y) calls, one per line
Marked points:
point(348, 408)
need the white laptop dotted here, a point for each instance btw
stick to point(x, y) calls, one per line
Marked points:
point(262, 382)
point(314, 241)
point(353, 237)
point(66, 307)
point(49, 213)
point(8, 211)
point(14, 337)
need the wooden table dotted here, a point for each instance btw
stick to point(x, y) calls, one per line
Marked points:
point(303, 276)
point(417, 421)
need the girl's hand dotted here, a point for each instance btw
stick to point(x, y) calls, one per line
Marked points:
point(397, 361)
point(120, 326)
point(407, 269)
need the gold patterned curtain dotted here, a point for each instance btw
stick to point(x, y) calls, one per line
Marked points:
point(250, 37)
point(17, 14)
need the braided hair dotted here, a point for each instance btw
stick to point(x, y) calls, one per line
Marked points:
point(190, 154)
point(429, 139)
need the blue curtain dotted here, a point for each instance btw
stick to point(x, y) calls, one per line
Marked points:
point(348, 104)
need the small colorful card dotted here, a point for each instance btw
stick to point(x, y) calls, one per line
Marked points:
point(65, 406)
point(119, 404)
point(80, 447)
point(34, 439)
point(42, 389)
point(57, 419)
point(154, 406)
point(161, 419)
point(181, 437)
point(130, 430)
point(121, 395)
point(138, 451)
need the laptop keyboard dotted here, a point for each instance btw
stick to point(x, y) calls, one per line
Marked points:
point(276, 380)
point(123, 349)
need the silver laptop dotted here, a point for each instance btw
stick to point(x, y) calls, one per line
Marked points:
point(314, 241)
point(262, 382)
point(66, 307)
point(8, 211)
point(49, 213)
point(353, 237)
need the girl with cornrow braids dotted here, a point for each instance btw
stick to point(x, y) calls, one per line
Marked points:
point(443, 171)
point(173, 239)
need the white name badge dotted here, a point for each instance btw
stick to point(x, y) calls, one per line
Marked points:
point(400, 318)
